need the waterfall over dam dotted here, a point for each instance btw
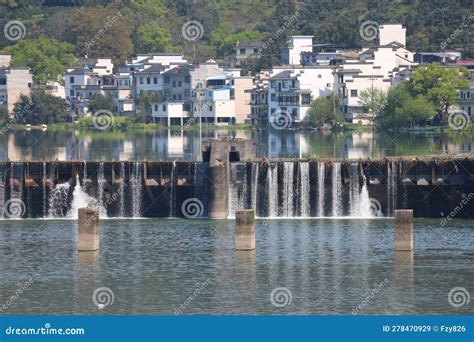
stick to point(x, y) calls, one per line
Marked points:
point(290, 188)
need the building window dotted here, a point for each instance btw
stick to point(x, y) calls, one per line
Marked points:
point(167, 79)
point(187, 79)
point(305, 99)
point(210, 108)
point(319, 76)
point(180, 97)
point(242, 51)
point(180, 84)
point(148, 80)
point(174, 96)
point(174, 84)
point(328, 85)
point(273, 84)
point(71, 92)
point(141, 80)
point(293, 84)
point(285, 84)
point(163, 108)
point(273, 97)
point(71, 80)
point(353, 92)
point(255, 51)
point(155, 80)
point(156, 108)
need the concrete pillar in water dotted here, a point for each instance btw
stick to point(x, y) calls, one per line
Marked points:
point(219, 175)
point(88, 230)
point(245, 230)
point(404, 230)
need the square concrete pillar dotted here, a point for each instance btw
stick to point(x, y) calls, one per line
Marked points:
point(404, 230)
point(88, 230)
point(245, 230)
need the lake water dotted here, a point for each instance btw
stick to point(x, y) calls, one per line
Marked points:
point(173, 266)
point(178, 144)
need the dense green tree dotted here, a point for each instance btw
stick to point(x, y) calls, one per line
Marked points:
point(325, 110)
point(40, 108)
point(100, 102)
point(439, 85)
point(152, 37)
point(47, 58)
point(401, 110)
point(101, 31)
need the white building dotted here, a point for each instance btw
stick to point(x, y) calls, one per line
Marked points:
point(295, 46)
point(292, 89)
point(14, 82)
point(246, 49)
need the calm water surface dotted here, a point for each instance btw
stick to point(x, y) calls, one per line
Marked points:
point(177, 144)
point(154, 266)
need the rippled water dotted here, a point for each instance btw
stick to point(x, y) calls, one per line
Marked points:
point(156, 266)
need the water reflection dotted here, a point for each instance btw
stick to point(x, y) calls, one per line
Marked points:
point(186, 145)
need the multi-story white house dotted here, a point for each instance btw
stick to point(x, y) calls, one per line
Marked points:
point(14, 82)
point(292, 51)
point(246, 49)
point(292, 89)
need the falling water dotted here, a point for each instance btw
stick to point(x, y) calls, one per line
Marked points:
point(391, 188)
point(288, 192)
point(172, 190)
point(253, 200)
point(58, 200)
point(233, 193)
point(321, 181)
point(272, 190)
point(336, 190)
point(45, 193)
point(304, 188)
point(137, 186)
point(354, 195)
point(80, 199)
point(365, 209)
point(122, 190)
point(100, 184)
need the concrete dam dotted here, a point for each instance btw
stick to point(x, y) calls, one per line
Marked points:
point(231, 178)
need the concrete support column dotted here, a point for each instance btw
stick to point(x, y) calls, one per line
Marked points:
point(404, 230)
point(219, 179)
point(88, 230)
point(245, 230)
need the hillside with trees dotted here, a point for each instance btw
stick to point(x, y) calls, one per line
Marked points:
point(122, 28)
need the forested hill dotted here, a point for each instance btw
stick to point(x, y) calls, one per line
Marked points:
point(134, 26)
